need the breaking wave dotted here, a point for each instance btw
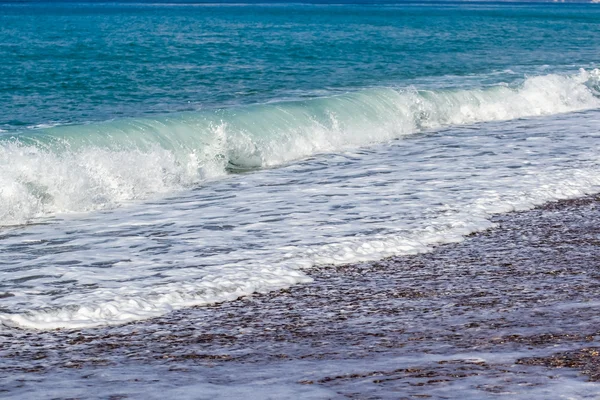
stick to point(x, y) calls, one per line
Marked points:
point(101, 165)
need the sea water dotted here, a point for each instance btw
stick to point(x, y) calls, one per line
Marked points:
point(155, 156)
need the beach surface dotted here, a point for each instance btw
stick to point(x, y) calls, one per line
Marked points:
point(510, 312)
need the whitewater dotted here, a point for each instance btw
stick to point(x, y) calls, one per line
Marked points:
point(101, 165)
point(110, 222)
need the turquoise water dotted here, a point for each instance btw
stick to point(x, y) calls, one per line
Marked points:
point(81, 62)
point(155, 156)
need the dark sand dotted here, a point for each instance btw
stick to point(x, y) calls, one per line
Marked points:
point(527, 291)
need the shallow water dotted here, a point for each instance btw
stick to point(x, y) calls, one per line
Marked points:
point(508, 313)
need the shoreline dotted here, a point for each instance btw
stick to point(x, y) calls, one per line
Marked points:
point(509, 311)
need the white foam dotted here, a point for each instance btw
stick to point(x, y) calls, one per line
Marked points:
point(126, 304)
point(36, 182)
point(99, 166)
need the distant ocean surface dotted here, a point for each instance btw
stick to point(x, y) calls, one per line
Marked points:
point(155, 156)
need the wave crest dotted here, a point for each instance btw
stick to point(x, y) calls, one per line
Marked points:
point(87, 167)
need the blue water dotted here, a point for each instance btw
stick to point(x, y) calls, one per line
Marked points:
point(81, 62)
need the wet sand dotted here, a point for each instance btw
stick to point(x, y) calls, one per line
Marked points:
point(506, 312)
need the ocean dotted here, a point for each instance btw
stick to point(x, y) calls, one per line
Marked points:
point(157, 156)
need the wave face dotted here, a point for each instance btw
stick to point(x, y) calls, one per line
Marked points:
point(87, 167)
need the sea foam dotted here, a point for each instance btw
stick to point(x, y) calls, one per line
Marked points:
point(102, 165)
